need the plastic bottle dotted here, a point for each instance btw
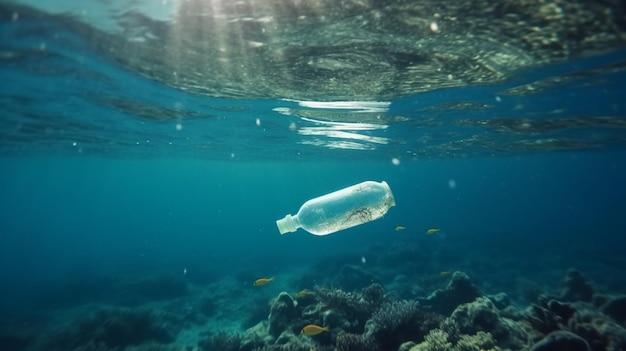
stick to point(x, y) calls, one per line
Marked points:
point(342, 209)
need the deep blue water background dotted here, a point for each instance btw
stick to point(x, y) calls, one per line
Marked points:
point(67, 219)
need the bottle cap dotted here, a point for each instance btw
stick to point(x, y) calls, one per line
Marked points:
point(287, 224)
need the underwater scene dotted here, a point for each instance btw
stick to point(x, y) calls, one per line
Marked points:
point(313, 175)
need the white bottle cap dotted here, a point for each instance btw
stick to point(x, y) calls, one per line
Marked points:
point(287, 224)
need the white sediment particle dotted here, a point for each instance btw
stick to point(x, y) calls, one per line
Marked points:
point(434, 27)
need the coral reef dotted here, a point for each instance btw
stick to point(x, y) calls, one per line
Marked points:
point(439, 340)
point(365, 321)
point(397, 322)
point(482, 315)
point(355, 307)
point(460, 290)
point(578, 317)
point(582, 309)
point(353, 342)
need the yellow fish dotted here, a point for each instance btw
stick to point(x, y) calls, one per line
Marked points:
point(444, 274)
point(303, 293)
point(399, 228)
point(263, 281)
point(432, 231)
point(313, 329)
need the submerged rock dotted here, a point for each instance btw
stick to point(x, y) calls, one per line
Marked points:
point(616, 309)
point(256, 337)
point(576, 287)
point(282, 313)
point(561, 341)
point(460, 290)
point(482, 315)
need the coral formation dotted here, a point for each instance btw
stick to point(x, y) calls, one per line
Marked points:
point(370, 320)
point(460, 290)
point(353, 342)
point(440, 340)
point(580, 317)
point(282, 313)
point(397, 322)
point(355, 307)
point(482, 315)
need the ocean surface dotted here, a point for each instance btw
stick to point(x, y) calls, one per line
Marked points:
point(122, 191)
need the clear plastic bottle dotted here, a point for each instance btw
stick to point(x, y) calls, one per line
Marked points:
point(342, 209)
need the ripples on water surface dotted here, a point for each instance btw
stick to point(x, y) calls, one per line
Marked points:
point(302, 80)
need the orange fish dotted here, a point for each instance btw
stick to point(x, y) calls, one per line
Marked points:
point(432, 231)
point(313, 329)
point(399, 228)
point(263, 281)
point(444, 274)
point(303, 293)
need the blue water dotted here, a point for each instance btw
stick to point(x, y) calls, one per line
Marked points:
point(93, 193)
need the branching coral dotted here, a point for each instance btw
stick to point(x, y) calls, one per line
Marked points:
point(440, 340)
point(394, 315)
point(479, 341)
point(355, 306)
point(397, 322)
point(436, 340)
point(354, 342)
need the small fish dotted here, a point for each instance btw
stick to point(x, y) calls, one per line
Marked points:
point(444, 274)
point(263, 281)
point(304, 292)
point(432, 231)
point(313, 329)
point(399, 228)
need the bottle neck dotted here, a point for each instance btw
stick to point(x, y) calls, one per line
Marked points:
point(288, 224)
